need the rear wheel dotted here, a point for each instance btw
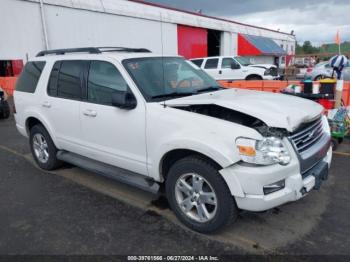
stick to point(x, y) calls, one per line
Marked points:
point(199, 196)
point(43, 149)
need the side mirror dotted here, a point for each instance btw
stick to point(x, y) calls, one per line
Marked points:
point(235, 66)
point(123, 100)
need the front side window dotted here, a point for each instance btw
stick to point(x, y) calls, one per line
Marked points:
point(227, 62)
point(158, 77)
point(104, 79)
point(69, 79)
point(29, 78)
point(211, 63)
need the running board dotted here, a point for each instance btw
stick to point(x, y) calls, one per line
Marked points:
point(115, 173)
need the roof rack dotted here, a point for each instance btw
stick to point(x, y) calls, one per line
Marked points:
point(92, 50)
point(123, 49)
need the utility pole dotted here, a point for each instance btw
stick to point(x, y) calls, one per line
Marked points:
point(43, 21)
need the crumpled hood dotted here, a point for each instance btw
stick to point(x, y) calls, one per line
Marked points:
point(263, 65)
point(276, 110)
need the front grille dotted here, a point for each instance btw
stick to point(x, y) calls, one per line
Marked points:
point(308, 136)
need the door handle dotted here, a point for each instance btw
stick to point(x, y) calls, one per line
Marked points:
point(90, 113)
point(46, 104)
point(220, 72)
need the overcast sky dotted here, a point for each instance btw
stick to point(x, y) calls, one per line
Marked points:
point(314, 20)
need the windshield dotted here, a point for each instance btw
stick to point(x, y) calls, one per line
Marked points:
point(161, 78)
point(321, 64)
point(244, 61)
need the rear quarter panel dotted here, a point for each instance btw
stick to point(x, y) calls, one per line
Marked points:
point(29, 104)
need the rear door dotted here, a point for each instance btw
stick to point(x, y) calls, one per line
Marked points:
point(112, 135)
point(211, 66)
point(61, 105)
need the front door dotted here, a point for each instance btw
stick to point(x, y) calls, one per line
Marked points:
point(230, 72)
point(112, 135)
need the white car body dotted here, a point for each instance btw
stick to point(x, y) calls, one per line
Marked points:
point(324, 70)
point(222, 70)
point(138, 139)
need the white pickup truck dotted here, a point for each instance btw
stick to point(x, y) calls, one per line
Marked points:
point(162, 124)
point(235, 68)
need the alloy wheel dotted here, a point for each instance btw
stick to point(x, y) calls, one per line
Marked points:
point(41, 149)
point(196, 197)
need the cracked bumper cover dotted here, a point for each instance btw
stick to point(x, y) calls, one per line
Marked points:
point(246, 183)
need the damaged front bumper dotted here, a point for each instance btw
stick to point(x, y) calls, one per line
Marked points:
point(247, 182)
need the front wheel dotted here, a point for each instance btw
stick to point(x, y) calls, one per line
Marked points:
point(199, 196)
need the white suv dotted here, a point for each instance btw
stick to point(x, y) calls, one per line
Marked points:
point(162, 124)
point(235, 68)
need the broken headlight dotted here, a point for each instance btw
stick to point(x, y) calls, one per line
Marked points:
point(268, 151)
point(267, 72)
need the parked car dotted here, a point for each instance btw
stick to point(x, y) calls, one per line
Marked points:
point(162, 124)
point(304, 62)
point(4, 106)
point(324, 70)
point(235, 68)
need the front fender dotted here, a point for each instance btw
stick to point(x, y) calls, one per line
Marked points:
point(217, 151)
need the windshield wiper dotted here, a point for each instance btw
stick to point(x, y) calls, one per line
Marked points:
point(174, 94)
point(210, 88)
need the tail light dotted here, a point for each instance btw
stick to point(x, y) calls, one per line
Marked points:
point(309, 69)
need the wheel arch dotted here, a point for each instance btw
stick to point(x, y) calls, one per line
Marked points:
point(319, 77)
point(251, 76)
point(174, 155)
point(34, 120)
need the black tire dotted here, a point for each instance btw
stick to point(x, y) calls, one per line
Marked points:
point(226, 211)
point(335, 144)
point(5, 110)
point(318, 78)
point(52, 163)
point(249, 78)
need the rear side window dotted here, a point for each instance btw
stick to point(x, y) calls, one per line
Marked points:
point(197, 62)
point(69, 79)
point(104, 79)
point(66, 79)
point(211, 63)
point(52, 87)
point(30, 76)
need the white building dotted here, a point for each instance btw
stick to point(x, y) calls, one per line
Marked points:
point(28, 26)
